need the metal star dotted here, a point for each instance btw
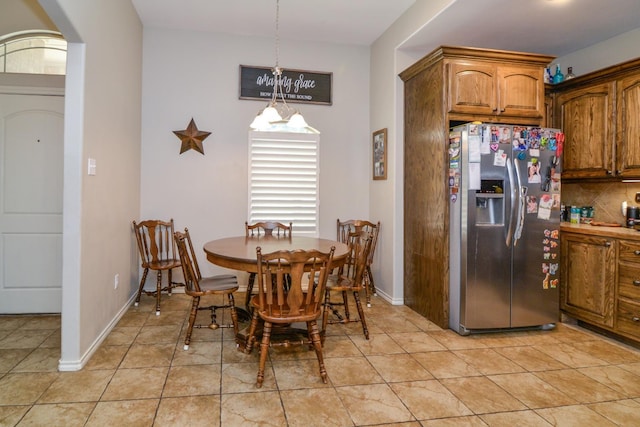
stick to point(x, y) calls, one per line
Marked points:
point(191, 137)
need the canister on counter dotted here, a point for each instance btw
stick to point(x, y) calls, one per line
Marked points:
point(586, 215)
point(574, 217)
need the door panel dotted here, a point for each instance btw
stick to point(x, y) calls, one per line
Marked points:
point(31, 179)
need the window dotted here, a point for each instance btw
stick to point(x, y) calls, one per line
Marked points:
point(284, 179)
point(33, 52)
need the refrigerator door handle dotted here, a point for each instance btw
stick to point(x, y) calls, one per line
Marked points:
point(514, 190)
point(522, 192)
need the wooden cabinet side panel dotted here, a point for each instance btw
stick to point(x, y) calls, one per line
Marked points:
point(588, 278)
point(586, 118)
point(426, 217)
point(628, 127)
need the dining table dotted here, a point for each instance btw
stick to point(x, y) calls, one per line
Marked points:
point(239, 253)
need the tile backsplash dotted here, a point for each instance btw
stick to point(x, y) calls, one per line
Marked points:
point(606, 198)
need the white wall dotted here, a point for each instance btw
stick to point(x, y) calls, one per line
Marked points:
point(191, 74)
point(102, 121)
point(387, 102)
point(601, 55)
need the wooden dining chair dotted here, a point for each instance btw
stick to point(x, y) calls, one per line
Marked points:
point(268, 228)
point(349, 279)
point(157, 252)
point(196, 287)
point(343, 230)
point(257, 229)
point(302, 301)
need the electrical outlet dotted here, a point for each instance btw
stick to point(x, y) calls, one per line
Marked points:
point(116, 281)
point(637, 197)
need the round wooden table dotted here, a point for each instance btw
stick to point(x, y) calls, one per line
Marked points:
point(239, 253)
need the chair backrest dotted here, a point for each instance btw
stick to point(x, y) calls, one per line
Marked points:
point(360, 243)
point(290, 302)
point(344, 228)
point(189, 270)
point(268, 228)
point(155, 241)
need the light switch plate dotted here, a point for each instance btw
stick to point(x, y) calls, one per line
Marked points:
point(91, 167)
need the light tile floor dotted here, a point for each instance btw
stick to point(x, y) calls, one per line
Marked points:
point(409, 373)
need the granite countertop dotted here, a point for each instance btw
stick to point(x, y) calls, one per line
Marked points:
point(617, 232)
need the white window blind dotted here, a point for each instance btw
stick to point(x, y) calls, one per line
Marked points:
point(284, 179)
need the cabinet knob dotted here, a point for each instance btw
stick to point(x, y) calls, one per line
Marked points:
point(607, 244)
point(635, 319)
point(609, 172)
point(618, 172)
point(636, 252)
point(636, 283)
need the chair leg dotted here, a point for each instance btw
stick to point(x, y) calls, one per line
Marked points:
point(314, 336)
point(251, 336)
point(192, 320)
point(234, 314)
point(170, 283)
point(158, 292)
point(144, 279)
point(325, 314)
point(346, 306)
point(365, 330)
point(371, 282)
point(264, 351)
point(247, 301)
point(366, 282)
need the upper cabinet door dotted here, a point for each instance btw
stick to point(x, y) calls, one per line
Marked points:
point(628, 127)
point(489, 89)
point(472, 88)
point(521, 91)
point(586, 117)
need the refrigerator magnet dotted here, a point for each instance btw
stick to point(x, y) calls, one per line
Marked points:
point(500, 158)
point(533, 172)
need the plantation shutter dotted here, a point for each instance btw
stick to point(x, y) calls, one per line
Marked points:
point(284, 179)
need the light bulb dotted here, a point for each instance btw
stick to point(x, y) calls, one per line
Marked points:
point(297, 121)
point(259, 122)
point(271, 114)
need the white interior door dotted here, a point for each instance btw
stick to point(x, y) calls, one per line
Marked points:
point(31, 183)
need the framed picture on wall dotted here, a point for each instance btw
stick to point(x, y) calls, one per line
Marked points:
point(380, 154)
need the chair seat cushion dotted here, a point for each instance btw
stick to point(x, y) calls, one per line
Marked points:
point(282, 314)
point(223, 282)
point(342, 283)
point(166, 264)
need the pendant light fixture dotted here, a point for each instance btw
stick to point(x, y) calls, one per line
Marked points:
point(277, 112)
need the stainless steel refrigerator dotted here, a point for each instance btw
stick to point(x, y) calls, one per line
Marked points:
point(504, 195)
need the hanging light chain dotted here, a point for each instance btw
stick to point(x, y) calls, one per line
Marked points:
point(277, 32)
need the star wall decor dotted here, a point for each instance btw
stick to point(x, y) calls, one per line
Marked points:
point(191, 137)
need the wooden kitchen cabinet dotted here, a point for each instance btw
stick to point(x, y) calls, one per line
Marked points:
point(585, 116)
point(484, 88)
point(600, 116)
point(448, 86)
point(628, 295)
point(588, 278)
point(628, 127)
point(600, 278)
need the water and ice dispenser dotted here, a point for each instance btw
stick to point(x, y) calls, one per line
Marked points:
point(490, 209)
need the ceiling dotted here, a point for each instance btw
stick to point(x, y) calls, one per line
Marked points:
point(554, 27)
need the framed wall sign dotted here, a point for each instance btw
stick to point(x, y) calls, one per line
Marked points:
point(310, 87)
point(380, 154)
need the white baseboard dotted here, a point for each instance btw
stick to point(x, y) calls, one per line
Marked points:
point(76, 365)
